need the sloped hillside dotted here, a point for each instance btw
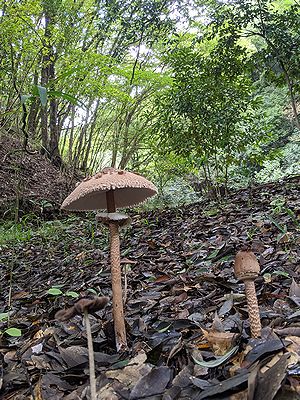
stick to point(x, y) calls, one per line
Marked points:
point(28, 179)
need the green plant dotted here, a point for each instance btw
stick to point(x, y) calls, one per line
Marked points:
point(15, 332)
point(32, 227)
point(279, 207)
point(55, 291)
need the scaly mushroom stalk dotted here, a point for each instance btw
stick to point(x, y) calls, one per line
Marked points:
point(107, 190)
point(116, 277)
point(253, 309)
point(246, 269)
point(116, 282)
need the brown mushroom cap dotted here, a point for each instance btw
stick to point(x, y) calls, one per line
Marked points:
point(129, 189)
point(246, 265)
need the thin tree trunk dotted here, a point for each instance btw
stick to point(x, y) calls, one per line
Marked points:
point(49, 141)
point(90, 138)
point(292, 96)
point(78, 150)
point(71, 140)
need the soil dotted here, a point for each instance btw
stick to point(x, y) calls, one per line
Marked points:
point(29, 182)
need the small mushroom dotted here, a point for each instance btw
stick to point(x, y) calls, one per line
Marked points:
point(246, 269)
point(86, 306)
point(107, 190)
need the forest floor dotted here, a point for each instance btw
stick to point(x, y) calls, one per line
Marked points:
point(186, 313)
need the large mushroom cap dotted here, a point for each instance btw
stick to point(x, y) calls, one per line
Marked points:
point(246, 265)
point(129, 189)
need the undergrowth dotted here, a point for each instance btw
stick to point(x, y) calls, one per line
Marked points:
point(31, 227)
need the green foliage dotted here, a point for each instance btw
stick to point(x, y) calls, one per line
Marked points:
point(274, 31)
point(31, 227)
point(15, 332)
point(206, 114)
point(55, 291)
point(4, 316)
point(284, 165)
point(149, 86)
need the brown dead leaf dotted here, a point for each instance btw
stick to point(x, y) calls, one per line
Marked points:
point(10, 356)
point(127, 261)
point(270, 382)
point(20, 295)
point(180, 298)
point(183, 314)
point(162, 278)
point(132, 373)
point(295, 384)
point(271, 363)
point(240, 396)
point(80, 256)
point(152, 244)
point(294, 349)
point(220, 342)
point(40, 362)
point(294, 289)
point(286, 237)
point(107, 393)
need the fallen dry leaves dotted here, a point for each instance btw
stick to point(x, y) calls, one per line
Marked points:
point(186, 313)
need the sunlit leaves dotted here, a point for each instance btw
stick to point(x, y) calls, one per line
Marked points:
point(205, 112)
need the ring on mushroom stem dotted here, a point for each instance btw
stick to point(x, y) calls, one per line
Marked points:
point(246, 269)
point(107, 190)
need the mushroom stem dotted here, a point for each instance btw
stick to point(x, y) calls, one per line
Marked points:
point(110, 201)
point(253, 309)
point(118, 310)
point(91, 355)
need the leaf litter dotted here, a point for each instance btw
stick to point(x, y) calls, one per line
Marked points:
point(186, 314)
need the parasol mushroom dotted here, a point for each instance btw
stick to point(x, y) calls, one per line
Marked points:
point(108, 190)
point(246, 269)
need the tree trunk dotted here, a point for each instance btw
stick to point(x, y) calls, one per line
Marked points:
point(71, 141)
point(292, 96)
point(90, 138)
point(49, 141)
point(80, 142)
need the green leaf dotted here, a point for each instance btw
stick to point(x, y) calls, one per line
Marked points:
point(25, 97)
point(54, 291)
point(120, 364)
point(4, 316)
point(65, 96)
point(13, 332)
point(72, 294)
point(92, 291)
point(218, 361)
point(282, 273)
point(42, 91)
point(214, 253)
point(283, 229)
point(164, 329)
